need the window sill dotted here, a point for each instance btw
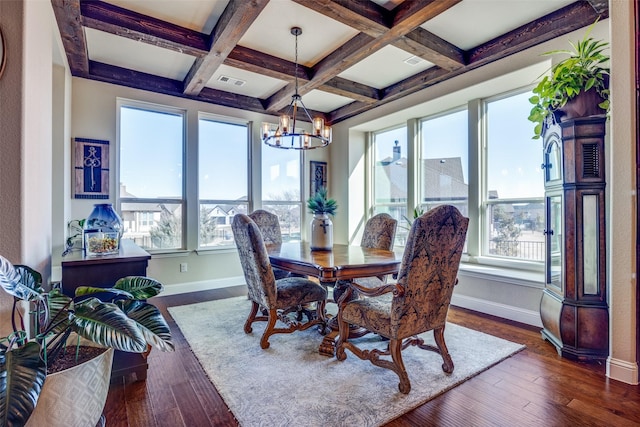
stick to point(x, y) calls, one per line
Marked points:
point(534, 279)
point(225, 250)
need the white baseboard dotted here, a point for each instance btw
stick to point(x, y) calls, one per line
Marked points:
point(204, 285)
point(516, 314)
point(621, 370)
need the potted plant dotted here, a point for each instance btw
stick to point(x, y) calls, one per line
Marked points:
point(321, 226)
point(577, 86)
point(116, 318)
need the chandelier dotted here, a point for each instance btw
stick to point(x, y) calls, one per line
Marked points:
point(286, 135)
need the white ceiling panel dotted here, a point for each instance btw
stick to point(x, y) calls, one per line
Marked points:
point(255, 85)
point(385, 67)
point(108, 48)
point(324, 101)
point(271, 33)
point(491, 17)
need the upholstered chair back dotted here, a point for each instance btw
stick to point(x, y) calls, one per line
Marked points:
point(255, 260)
point(269, 226)
point(379, 232)
point(428, 271)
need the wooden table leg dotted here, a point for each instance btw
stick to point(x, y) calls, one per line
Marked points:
point(328, 345)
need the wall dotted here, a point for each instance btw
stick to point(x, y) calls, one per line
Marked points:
point(621, 202)
point(25, 136)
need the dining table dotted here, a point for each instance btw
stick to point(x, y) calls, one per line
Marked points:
point(342, 263)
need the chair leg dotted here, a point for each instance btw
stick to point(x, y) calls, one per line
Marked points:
point(438, 335)
point(395, 348)
point(252, 317)
point(268, 331)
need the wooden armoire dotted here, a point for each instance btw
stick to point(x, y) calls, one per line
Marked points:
point(574, 308)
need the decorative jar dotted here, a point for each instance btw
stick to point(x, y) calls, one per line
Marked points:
point(102, 231)
point(321, 232)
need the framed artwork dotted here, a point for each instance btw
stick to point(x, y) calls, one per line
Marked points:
point(318, 175)
point(91, 169)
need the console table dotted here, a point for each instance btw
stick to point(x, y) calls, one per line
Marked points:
point(81, 270)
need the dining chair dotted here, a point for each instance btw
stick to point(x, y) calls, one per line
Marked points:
point(269, 226)
point(278, 297)
point(379, 233)
point(418, 302)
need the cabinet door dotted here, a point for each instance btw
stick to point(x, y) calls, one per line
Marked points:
point(552, 156)
point(554, 242)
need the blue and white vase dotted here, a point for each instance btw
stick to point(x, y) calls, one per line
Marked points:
point(102, 231)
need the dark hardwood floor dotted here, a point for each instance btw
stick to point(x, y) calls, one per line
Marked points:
point(535, 387)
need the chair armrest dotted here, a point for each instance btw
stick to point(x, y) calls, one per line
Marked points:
point(395, 288)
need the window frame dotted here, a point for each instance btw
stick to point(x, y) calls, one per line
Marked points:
point(478, 202)
point(195, 218)
point(162, 109)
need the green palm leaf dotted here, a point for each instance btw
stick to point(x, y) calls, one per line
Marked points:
point(150, 321)
point(22, 374)
point(139, 287)
point(20, 281)
point(106, 325)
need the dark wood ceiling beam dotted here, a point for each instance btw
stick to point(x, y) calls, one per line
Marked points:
point(600, 6)
point(351, 89)
point(278, 68)
point(432, 48)
point(69, 19)
point(362, 45)
point(364, 16)
point(143, 81)
point(261, 63)
point(555, 24)
point(570, 18)
point(139, 80)
point(135, 26)
point(234, 22)
point(371, 19)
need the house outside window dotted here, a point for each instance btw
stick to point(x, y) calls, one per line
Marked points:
point(281, 189)
point(444, 161)
point(151, 198)
point(389, 177)
point(223, 179)
point(513, 198)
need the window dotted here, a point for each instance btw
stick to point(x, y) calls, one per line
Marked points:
point(513, 198)
point(281, 189)
point(498, 185)
point(389, 178)
point(151, 173)
point(223, 179)
point(444, 161)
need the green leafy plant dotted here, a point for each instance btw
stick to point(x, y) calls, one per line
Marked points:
point(320, 204)
point(586, 68)
point(417, 212)
point(123, 321)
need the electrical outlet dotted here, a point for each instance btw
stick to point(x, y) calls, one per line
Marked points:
point(183, 267)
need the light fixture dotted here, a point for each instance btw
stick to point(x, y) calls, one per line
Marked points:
point(286, 135)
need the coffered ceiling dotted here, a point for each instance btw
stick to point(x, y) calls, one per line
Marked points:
point(353, 55)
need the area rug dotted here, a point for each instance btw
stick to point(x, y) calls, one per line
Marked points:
point(291, 384)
